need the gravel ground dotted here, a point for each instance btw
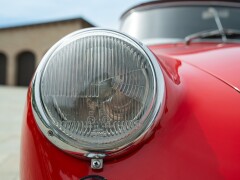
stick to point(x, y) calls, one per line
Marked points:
point(12, 101)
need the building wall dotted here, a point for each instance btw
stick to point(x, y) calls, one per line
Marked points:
point(36, 39)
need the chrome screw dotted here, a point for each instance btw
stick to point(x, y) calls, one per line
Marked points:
point(96, 163)
point(50, 133)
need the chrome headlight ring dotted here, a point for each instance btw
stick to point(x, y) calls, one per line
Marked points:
point(48, 97)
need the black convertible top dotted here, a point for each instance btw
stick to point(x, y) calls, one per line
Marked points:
point(149, 5)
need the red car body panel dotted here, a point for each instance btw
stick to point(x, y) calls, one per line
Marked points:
point(197, 137)
point(219, 60)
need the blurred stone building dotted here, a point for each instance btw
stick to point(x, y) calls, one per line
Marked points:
point(22, 47)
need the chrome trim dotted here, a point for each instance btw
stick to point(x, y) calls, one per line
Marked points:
point(53, 136)
point(152, 42)
point(159, 4)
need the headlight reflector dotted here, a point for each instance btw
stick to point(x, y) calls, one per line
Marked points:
point(97, 90)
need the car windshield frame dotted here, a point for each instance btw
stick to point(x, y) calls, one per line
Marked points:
point(160, 5)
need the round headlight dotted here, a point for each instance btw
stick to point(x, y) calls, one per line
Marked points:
point(97, 91)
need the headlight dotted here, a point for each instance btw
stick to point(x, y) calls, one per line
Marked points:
point(97, 91)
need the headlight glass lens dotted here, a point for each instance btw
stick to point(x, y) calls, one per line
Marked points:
point(98, 90)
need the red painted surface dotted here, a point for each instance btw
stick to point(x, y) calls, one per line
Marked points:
point(220, 60)
point(198, 135)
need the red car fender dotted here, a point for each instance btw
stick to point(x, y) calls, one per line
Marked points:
point(197, 137)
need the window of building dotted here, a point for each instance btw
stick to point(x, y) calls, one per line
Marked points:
point(3, 68)
point(25, 68)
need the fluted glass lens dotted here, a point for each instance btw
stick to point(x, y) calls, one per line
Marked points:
point(97, 91)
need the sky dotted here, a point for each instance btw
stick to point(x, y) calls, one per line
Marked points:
point(102, 13)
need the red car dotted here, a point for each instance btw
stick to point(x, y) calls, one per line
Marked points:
point(162, 105)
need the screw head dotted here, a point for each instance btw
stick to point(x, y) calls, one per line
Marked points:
point(50, 133)
point(96, 163)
